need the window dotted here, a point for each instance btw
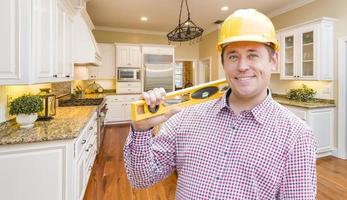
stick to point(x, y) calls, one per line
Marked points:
point(179, 75)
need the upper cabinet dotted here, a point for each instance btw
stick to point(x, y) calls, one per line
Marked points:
point(128, 55)
point(107, 69)
point(36, 46)
point(307, 51)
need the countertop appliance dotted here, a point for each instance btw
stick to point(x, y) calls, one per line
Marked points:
point(101, 112)
point(48, 104)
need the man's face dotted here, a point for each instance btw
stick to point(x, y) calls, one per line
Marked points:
point(247, 67)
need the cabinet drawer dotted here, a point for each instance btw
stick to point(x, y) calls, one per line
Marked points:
point(128, 84)
point(132, 90)
point(121, 98)
point(87, 132)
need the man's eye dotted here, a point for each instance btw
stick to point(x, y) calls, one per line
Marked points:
point(253, 55)
point(232, 57)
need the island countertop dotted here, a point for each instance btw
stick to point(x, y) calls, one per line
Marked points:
point(67, 124)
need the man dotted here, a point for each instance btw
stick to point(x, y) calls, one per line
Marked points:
point(241, 146)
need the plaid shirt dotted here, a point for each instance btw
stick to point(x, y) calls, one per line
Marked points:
point(263, 153)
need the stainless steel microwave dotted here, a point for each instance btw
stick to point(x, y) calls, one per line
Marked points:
point(128, 74)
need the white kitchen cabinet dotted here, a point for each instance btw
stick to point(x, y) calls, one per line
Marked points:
point(322, 123)
point(128, 87)
point(31, 47)
point(107, 70)
point(307, 51)
point(128, 55)
point(55, 170)
point(119, 108)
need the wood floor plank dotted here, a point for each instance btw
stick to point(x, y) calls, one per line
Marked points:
point(108, 180)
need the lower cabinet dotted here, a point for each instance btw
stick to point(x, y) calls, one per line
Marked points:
point(119, 108)
point(322, 123)
point(54, 170)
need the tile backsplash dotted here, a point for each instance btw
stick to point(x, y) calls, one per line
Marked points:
point(61, 88)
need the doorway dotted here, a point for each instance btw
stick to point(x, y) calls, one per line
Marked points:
point(342, 98)
point(204, 71)
point(185, 74)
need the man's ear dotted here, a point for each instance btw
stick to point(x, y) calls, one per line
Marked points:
point(274, 61)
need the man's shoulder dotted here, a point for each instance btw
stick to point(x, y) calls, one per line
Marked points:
point(284, 115)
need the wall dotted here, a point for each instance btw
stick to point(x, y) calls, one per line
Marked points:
point(208, 48)
point(182, 51)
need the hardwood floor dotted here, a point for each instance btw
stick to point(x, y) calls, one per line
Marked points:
point(108, 180)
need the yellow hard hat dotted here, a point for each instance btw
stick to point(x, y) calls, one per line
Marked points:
point(247, 25)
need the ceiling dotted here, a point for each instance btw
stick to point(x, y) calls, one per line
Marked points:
point(163, 14)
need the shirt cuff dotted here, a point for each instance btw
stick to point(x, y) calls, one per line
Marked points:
point(140, 137)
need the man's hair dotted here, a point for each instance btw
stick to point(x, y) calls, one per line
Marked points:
point(270, 49)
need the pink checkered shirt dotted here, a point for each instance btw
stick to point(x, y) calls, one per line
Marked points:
point(264, 153)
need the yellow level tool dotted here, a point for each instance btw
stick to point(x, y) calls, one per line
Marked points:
point(181, 98)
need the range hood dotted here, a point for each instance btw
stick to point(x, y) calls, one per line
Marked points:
point(85, 49)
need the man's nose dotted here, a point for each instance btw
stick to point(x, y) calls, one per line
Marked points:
point(243, 64)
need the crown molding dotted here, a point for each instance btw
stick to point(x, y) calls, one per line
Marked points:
point(127, 30)
point(141, 31)
point(288, 8)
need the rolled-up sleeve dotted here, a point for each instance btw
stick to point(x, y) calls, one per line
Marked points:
point(299, 180)
point(149, 159)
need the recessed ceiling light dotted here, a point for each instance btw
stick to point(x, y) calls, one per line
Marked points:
point(225, 8)
point(144, 18)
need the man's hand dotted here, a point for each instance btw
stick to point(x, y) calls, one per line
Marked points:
point(153, 99)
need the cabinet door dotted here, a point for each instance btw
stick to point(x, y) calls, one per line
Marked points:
point(80, 177)
point(322, 123)
point(288, 55)
point(307, 40)
point(68, 65)
point(114, 113)
point(44, 38)
point(61, 42)
point(122, 56)
point(93, 72)
point(9, 40)
point(34, 173)
point(107, 70)
point(134, 57)
point(126, 111)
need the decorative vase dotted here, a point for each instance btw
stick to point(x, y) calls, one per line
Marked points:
point(26, 121)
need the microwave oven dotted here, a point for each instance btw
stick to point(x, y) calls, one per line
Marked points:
point(128, 74)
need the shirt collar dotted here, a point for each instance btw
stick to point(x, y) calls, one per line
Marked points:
point(258, 112)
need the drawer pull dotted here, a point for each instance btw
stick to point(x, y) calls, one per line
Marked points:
point(90, 128)
point(83, 141)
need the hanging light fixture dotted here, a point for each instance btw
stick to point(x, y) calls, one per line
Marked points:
point(184, 31)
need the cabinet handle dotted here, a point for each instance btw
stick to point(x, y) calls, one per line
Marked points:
point(55, 76)
point(90, 128)
point(83, 141)
point(67, 76)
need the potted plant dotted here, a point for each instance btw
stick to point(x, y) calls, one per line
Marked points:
point(26, 108)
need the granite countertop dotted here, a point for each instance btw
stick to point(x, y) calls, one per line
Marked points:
point(67, 124)
point(316, 103)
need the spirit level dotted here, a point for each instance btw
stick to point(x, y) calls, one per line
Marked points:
point(181, 98)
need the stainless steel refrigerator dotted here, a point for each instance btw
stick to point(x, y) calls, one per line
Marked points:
point(159, 75)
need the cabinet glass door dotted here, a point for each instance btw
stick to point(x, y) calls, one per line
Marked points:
point(289, 55)
point(307, 54)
